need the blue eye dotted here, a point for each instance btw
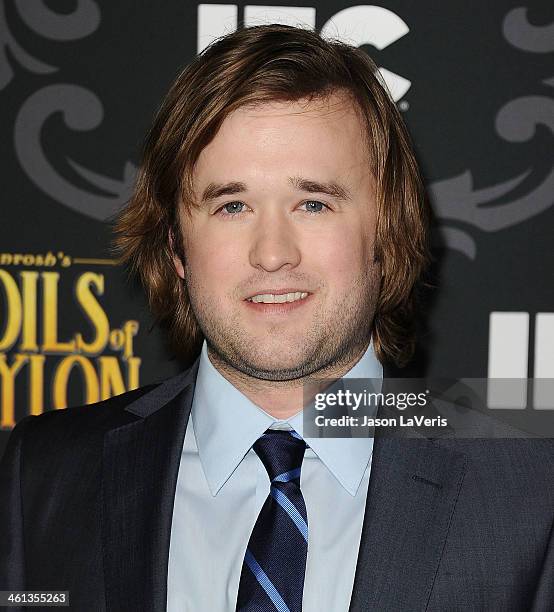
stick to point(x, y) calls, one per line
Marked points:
point(235, 205)
point(319, 207)
point(231, 209)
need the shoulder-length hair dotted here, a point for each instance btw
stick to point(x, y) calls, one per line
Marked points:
point(253, 66)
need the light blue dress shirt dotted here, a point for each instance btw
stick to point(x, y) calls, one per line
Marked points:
point(222, 485)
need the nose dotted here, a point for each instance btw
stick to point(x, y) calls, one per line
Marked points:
point(274, 243)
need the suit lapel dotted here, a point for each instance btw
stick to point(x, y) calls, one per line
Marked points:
point(412, 493)
point(140, 467)
point(413, 488)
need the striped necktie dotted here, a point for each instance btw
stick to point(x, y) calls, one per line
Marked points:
point(272, 576)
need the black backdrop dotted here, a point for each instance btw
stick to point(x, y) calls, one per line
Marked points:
point(79, 83)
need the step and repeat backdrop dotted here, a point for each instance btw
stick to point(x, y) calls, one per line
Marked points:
point(80, 81)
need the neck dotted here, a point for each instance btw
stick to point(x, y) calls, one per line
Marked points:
point(283, 399)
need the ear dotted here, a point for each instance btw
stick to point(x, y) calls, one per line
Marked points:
point(177, 261)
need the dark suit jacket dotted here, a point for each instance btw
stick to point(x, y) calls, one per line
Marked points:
point(86, 502)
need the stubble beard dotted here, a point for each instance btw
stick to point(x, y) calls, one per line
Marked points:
point(336, 338)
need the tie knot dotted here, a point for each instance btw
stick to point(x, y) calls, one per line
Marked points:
point(282, 453)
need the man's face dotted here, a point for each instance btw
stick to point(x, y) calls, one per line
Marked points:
point(287, 202)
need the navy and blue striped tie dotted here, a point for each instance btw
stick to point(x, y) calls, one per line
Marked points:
point(272, 576)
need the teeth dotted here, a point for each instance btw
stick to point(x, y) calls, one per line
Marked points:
point(268, 298)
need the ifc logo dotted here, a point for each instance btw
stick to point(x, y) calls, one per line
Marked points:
point(356, 25)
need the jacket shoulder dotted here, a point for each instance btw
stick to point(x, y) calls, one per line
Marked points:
point(74, 428)
point(106, 413)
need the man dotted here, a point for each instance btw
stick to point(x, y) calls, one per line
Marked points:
point(279, 226)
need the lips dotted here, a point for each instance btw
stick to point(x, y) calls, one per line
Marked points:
point(282, 298)
point(277, 292)
point(286, 303)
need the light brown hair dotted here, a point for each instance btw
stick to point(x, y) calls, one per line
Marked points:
point(252, 66)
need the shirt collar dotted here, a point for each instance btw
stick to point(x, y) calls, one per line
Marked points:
point(226, 424)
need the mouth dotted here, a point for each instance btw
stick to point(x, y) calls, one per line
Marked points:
point(278, 297)
point(278, 301)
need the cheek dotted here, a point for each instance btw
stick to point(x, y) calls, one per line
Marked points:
point(215, 263)
point(344, 255)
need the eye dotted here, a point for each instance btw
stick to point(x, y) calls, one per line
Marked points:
point(230, 209)
point(314, 207)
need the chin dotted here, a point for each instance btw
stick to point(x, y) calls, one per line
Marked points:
point(266, 362)
point(276, 360)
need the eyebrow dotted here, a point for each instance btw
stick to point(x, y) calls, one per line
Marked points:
point(331, 188)
point(214, 191)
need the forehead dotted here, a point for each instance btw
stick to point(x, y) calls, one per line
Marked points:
point(335, 107)
point(322, 135)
